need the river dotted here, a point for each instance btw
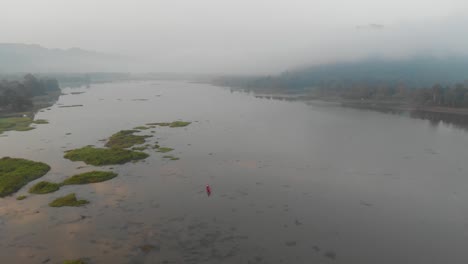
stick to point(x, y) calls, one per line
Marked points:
point(291, 183)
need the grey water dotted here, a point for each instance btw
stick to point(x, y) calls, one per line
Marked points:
point(291, 182)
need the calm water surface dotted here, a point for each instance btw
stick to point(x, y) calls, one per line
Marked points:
point(291, 182)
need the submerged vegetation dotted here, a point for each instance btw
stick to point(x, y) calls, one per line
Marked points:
point(141, 128)
point(158, 124)
point(21, 197)
point(66, 106)
point(141, 148)
point(104, 156)
point(15, 173)
point(170, 157)
point(164, 149)
point(173, 124)
point(67, 200)
point(44, 187)
point(75, 261)
point(125, 139)
point(40, 121)
point(19, 123)
point(90, 177)
point(180, 124)
point(15, 123)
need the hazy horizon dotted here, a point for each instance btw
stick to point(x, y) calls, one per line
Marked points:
point(242, 36)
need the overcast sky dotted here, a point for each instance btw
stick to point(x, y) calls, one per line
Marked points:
point(240, 36)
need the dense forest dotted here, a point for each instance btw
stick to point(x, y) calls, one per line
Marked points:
point(16, 95)
point(421, 81)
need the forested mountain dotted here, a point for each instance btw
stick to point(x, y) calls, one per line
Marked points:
point(415, 72)
point(34, 58)
point(425, 81)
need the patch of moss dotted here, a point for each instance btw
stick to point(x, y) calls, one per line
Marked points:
point(21, 197)
point(125, 139)
point(103, 156)
point(40, 121)
point(68, 200)
point(44, 187)
point(90, 177)
point(141, 128)
point(171, 157)
point(164, 149)
point(15, 123)
point(15, 173)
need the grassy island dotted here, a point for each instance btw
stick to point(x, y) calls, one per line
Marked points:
point(90, 177)
point(44, 187)
point(125, 139)
point(68, 200)
point(103, 156)
point(15, 173)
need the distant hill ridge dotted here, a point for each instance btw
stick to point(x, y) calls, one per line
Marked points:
point(17, 57)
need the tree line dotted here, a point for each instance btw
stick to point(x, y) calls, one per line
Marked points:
point(16, 95)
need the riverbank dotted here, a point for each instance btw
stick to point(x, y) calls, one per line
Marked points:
point(377, 105)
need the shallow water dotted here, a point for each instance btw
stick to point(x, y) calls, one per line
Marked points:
point(291, 183)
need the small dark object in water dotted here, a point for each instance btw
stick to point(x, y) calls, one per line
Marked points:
point(330, 254)
point(208, 190)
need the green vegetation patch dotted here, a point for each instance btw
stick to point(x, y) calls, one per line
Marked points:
point(90, 177)
point(171, 157)
point(102, 156)
point(158, 124)
point(15, 173)
point(173, 124)
point(44, 187)
point(180, 124)
point(75, 261)
point(68, 200)
point(15, 123)
point(125, 139)
point(140, 148)
point(66, 106)
point(21, 197)
point(164, 149)
point(40, 121)
point(141, 128)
